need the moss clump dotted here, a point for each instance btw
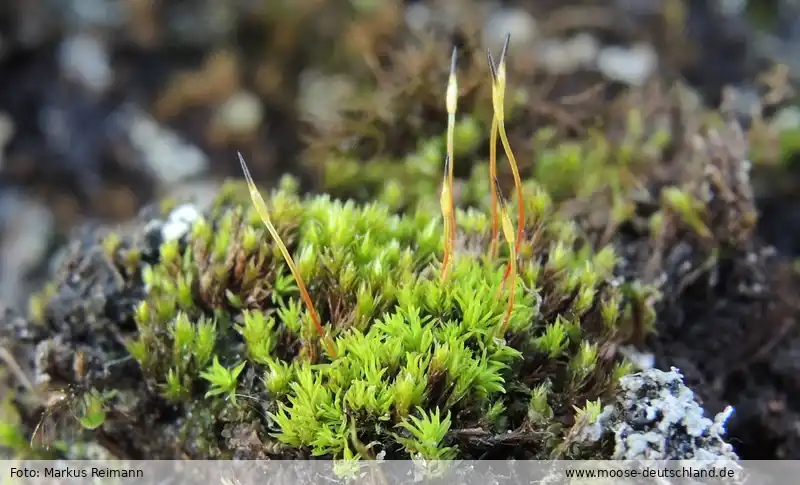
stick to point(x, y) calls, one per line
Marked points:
point(419, 366)
point(342, 330)
point(228, 362)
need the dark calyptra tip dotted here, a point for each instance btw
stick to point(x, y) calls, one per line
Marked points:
point(453, 58)
point(492, 67)
point(247, 175)
point(505, 49)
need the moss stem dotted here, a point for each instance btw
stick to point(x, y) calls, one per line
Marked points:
point(263, 212)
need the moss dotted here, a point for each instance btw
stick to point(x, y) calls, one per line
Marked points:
point(203, 346)
point(420, 370)
point(398, 138)
point(566, 167)
point(310, 325)
point(213, 351)
point(407, 345)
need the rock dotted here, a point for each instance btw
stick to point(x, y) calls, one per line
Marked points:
point(200, 193)
point(322, 97)
point(86, 59)
point(26, 227)
point(632, 65)
point(169, 157)
point(156, 231)
point(516, 22)
point(418, 17)
point(564, 57)
point(98, 13)
point(179, 222)
point(241, 113)
point(656, 417)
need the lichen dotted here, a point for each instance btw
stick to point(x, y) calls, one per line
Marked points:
point(656, 417)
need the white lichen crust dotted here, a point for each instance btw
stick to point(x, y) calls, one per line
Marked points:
point(656, 417)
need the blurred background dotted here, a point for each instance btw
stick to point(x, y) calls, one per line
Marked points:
point(107, 105)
